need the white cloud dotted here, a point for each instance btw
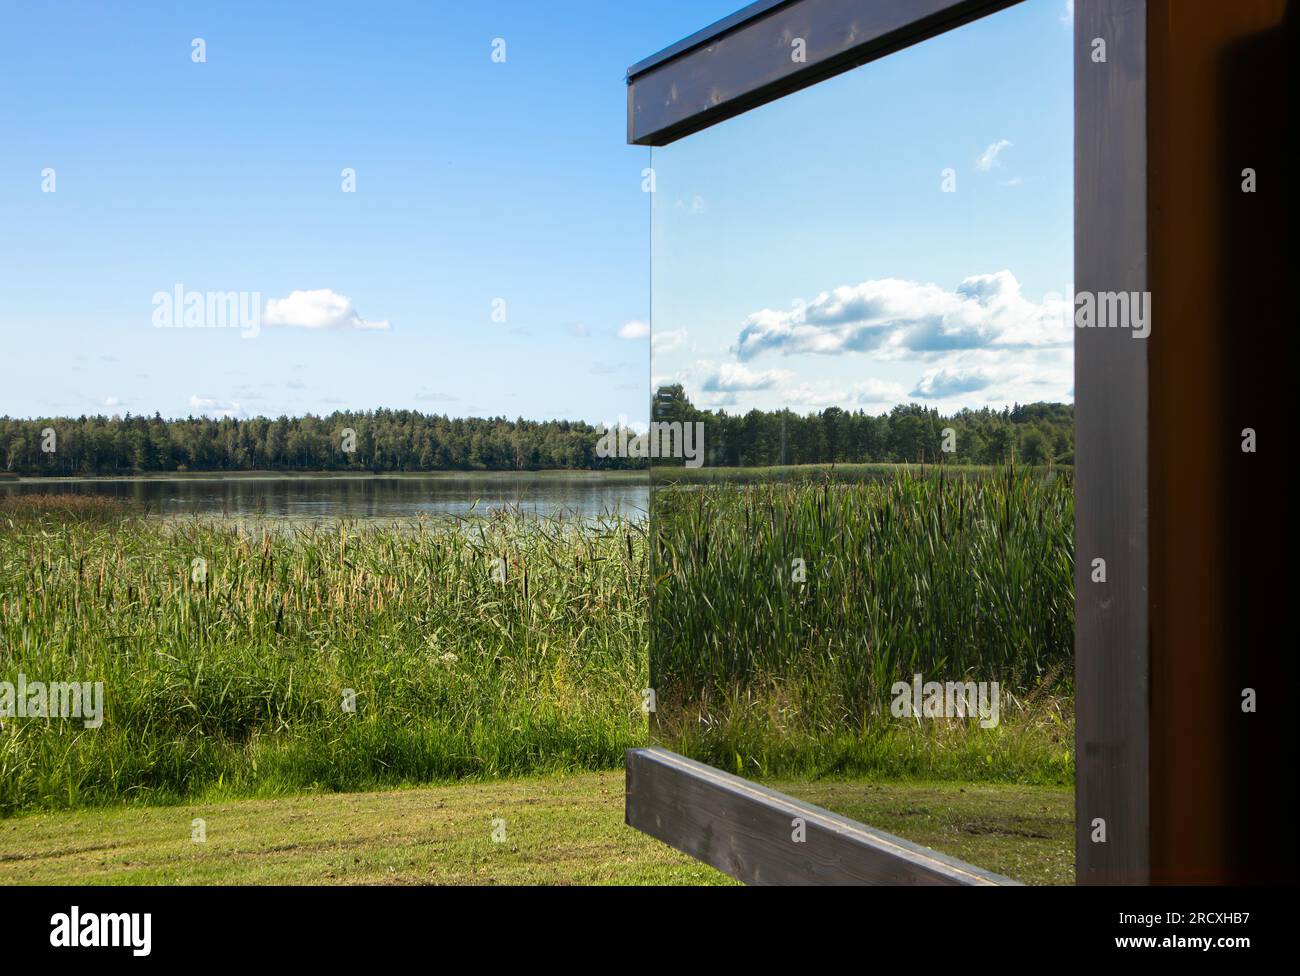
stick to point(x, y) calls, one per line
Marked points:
point(897, 319)
point(319, 308)
point(113, 401)
point(989, 157)
point(667, 341)
point(992, 377)
point(1067, 18)
point(735, 378)
point(214, 407)
point(813, 395)
point(878, 392)
point(714, 401)
point(947, 382)
point(982, 342)
point(660, 341)
point(872, 392)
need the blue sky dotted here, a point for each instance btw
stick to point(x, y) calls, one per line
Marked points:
point(806, 253)
point(476, 181)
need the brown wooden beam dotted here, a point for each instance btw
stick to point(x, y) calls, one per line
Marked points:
point(1220, 594)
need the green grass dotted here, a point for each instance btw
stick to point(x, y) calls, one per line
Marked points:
point(751, 738)
point(233, 686)
point(1023, 832)
point(675, 473)
point(237, 682)
point(956, 578)
point(558, 830)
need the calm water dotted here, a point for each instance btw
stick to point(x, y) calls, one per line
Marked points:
point(365, 497)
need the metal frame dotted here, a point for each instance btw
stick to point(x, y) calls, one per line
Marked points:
point(1112, 655)
point(744, 61)
point(731, 823)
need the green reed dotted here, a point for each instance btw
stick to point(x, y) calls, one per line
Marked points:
point(954, 577)
point(498, 646)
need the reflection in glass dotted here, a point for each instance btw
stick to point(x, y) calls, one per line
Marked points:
point(863, 595)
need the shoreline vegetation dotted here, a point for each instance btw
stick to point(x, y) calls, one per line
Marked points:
point(495, 646)
point(397, 441)
point(785, 612)
point(839, 474)
point(613, 475)
point(334, 657)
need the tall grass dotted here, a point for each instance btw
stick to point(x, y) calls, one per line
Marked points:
point(958, 577)
point(43, 506)
point(502, 646)
point(506, 645)
point(671, 474)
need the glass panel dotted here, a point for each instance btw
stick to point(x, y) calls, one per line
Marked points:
point(862, 544)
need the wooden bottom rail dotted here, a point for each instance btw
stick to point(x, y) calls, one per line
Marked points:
point(762, 837)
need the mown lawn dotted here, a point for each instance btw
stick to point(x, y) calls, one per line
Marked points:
point(558, 830)
point(1023, 832)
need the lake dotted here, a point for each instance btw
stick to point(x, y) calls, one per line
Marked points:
point(586, 495)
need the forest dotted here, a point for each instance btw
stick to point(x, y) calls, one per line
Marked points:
point(1035, 433)
point(385, 440)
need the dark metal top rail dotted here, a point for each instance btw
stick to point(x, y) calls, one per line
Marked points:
point(704, 36)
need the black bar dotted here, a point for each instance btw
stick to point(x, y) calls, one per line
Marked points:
point(334, 927)
point(708, 34)
point(746, 60)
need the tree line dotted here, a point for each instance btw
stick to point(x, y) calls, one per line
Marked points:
point(407, 441)
point(1034, 433)
point(370, 441)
